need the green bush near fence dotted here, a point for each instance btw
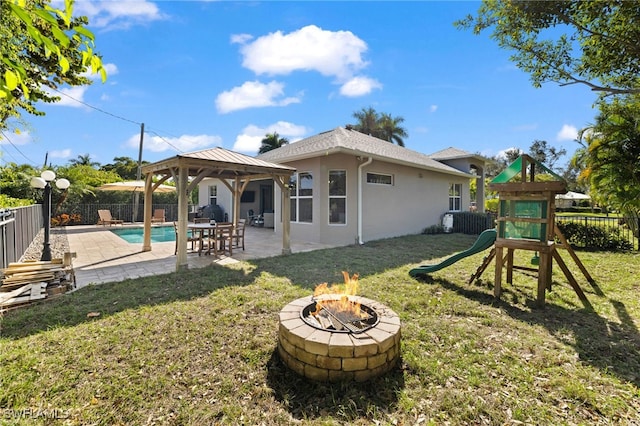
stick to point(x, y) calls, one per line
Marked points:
point(594, 237)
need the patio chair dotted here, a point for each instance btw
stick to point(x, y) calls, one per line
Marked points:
point(106, 218)
point(158, 216)
point(254, 219)
point(238, 234)
point(191, 238)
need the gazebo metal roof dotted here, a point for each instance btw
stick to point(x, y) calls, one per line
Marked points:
point(235, 170)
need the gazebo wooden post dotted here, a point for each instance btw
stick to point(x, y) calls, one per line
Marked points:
point(183, 204)
point(286, 221)
point(148, 200)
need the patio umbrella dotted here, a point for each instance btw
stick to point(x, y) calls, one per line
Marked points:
point(133, 186)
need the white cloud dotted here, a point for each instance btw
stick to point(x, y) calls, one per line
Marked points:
point(433, 108)
point(60, 153)
point(503, 154)
point(21, 138)
point(331, 53)
point(240, 38)
point(71, 96)
point(118, 14)
point(567, 133)
point(250, 139)
point(184, 143)
point(359, 86)
point(253, 94)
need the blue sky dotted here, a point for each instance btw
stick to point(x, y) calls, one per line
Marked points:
point(221, 73)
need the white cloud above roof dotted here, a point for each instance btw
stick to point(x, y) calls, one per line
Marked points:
point(359, 86)
point(250, 140)
point(253, 94)
point(331, 53)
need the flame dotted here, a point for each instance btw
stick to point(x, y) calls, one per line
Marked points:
point(349, 288)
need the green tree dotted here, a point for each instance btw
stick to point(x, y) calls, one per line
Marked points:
point(379, 125)
point(569, 42)
point(612, 160)
point(545, 153)
point(126, 167)
point(41, 48)
point(84, 160)
point(272, 141)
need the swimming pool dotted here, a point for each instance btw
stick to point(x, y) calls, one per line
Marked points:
point(159, 234)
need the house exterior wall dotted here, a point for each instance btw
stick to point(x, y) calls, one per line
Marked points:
point(417, 199)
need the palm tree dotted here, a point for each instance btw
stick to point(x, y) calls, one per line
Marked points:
point(390, 129)
point(382, 126)
point(272, 141)
point(84, 160)
point(367, 121)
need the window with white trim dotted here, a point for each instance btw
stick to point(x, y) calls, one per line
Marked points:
point(337, 197)
point(379, 178)
point(213, 195)
point(455, 199)
point(302, 197)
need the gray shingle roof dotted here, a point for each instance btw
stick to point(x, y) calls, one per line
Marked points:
point(453, 153)
point(341, 140)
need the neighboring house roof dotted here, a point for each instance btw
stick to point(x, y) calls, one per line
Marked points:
point(455, 153)
point(341, 140)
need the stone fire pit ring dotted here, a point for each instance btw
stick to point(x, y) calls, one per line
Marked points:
point(331, 356)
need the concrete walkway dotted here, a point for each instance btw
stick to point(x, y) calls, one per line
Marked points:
point(102, 256)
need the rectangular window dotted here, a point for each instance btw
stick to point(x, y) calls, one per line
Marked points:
point(379, 179)
point(302, 197)
point(213, 195)
point(455, 200)
point(338, 197)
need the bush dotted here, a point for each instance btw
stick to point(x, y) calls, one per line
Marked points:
point(433, 229)
point(594, 237)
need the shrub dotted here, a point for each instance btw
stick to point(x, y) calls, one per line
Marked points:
point(594, 237)
point(433, 229)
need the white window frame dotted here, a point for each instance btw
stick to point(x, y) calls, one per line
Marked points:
point(338, 197)
point(455, 197)
point(381, 175)
point(296, 197)
point(213, 195)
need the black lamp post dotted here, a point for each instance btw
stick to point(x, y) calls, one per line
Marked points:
point(44, 182)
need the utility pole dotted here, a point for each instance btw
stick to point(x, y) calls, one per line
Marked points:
point(136, 194)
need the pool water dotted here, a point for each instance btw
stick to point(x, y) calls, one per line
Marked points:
point(159, 234)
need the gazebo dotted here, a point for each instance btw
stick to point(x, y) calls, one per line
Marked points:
point(234, 170)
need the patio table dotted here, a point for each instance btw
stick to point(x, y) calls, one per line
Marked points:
point(216, 233)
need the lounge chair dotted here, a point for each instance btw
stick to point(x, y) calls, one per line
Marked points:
point(158, 216)
point(106, 218)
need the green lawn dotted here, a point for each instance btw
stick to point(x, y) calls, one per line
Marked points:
point(199, 347)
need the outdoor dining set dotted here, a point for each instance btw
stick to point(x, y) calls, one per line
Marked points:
point(214, 237)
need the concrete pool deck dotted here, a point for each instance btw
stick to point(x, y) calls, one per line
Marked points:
point(102, 256)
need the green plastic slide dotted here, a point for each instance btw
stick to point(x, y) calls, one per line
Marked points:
point(484, 241)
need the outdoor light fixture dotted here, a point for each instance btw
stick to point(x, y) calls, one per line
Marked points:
point(44, 182)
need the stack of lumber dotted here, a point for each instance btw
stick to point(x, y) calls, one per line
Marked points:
point(26, 282)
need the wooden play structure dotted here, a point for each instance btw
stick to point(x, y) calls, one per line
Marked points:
point(526, 221)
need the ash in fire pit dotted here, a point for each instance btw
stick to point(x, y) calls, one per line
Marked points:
point(337, 336)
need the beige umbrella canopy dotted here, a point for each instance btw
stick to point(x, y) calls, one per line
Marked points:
point(133, 186)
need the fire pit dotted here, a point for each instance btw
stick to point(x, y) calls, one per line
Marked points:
point(337, 336)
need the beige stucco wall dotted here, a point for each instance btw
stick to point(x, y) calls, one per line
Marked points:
point(417, 199)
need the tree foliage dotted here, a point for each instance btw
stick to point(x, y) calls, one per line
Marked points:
point(272, 141)
point(42, 48)
point(380, 125)
point(612, 155)
point(587, 42)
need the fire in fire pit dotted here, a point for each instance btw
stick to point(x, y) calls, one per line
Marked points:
point(337, 336)
point(333, 310)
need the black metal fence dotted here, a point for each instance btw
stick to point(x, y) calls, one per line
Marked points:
point(18, 228)
point(87, 214)
point(625, 230)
